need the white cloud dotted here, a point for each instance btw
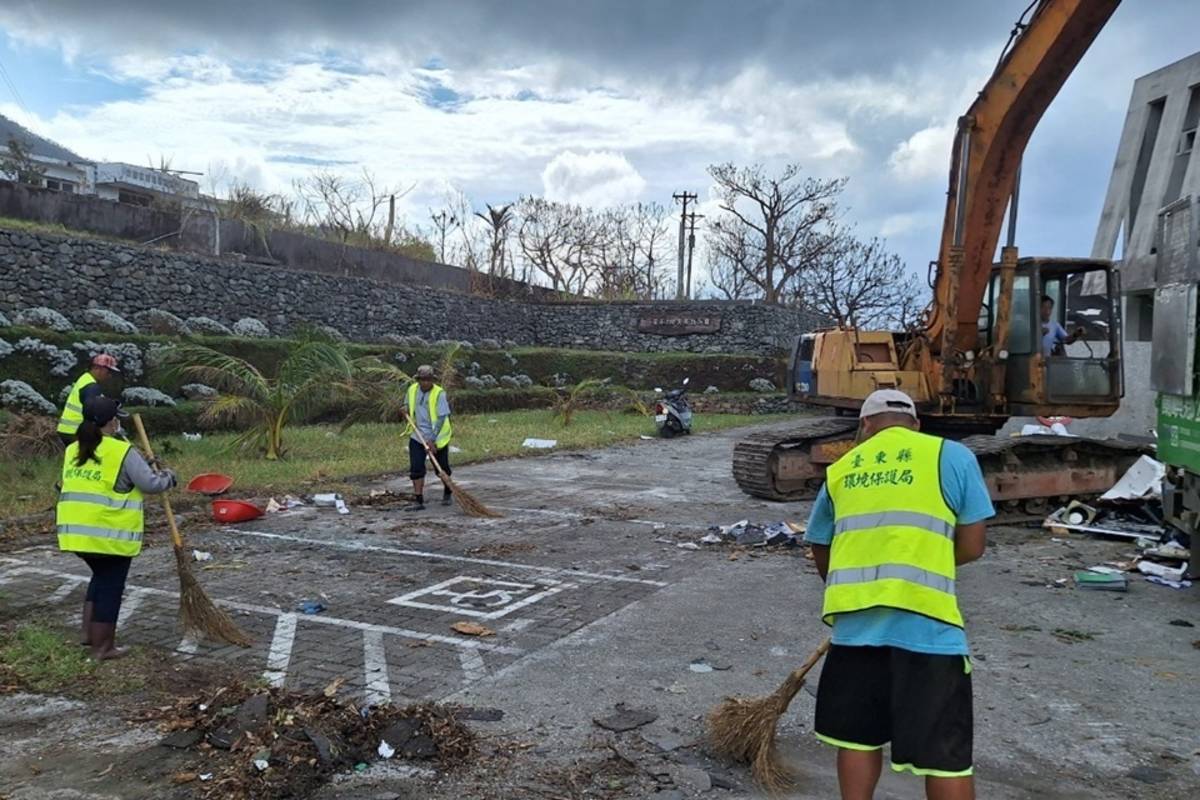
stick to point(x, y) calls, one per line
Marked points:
point(907, 222)
point(592, 179)
point(923, 155)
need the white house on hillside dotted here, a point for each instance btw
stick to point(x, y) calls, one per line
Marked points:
point(65, 171)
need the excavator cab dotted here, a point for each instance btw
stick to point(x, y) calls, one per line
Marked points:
point(1064, 339)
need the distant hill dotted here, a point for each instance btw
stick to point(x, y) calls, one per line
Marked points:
point(37, 145)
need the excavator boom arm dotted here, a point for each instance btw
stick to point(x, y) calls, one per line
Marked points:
point(986, 157)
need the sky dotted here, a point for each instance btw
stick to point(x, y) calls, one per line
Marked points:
point(589, 101)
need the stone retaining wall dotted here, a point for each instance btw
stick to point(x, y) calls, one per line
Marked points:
point(70, 275)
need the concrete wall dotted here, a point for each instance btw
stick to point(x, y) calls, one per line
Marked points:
point(70, 275)
point(1149, 174)
point(295, 251)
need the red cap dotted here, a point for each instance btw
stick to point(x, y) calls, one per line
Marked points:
point(106, 361)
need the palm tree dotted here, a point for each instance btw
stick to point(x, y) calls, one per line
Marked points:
point(375, 392)
point(305, 382)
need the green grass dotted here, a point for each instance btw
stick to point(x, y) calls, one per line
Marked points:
point(44, 659)
point(319, 458)
point(56, 229)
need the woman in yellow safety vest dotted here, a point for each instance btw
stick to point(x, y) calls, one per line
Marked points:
point(99, 515)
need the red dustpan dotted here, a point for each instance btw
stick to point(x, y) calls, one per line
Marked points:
point(210, 483)
point(235, 511)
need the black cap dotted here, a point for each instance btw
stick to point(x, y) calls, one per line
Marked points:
point(101, 410)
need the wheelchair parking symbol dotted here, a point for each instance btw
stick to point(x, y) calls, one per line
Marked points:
point(482, 598)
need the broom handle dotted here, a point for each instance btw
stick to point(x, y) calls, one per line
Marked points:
point(145, 442)
point(432, 456)
point(803, 669)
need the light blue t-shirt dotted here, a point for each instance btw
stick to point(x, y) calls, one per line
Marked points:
point(1052, 335)
point(967, 495)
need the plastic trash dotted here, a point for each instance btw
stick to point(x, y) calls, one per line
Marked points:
point(192, 437)
point(201, 555)
point(385, 749)
point(539, 444)
point(326, 500)
point(1162, 571)
point(340, 505)
point(310, 607)
point(1142, 481)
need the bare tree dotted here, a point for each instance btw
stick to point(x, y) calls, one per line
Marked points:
point(17, 162)
point(355, 211)
point(861, 284)
point(633, 250)
point(725, 275)
point(772, 228)
point(559, 240)
point(499, 220)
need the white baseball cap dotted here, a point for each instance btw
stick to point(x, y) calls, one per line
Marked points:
point(887, 401)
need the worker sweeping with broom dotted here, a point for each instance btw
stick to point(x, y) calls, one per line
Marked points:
point(897, 515)
point(100, 517)
point(429, 430)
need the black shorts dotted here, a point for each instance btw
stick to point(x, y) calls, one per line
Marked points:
point(921, 703)
point(417, 456)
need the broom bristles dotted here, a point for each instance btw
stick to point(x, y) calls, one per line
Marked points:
point(471, 506)
point(197, 611)
point(743, 730)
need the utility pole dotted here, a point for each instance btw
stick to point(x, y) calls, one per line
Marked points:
point(685, 197)
point(691, 243)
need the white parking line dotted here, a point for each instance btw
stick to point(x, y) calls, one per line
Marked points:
point(472, 666)
point(404, 633)
point(64, 591)
point(132, 600)
point(372, 548)
point(375, 669)
point(280, 654)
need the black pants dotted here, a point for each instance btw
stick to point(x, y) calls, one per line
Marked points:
point(416, 459)
point(107, 584)
point(67, 439)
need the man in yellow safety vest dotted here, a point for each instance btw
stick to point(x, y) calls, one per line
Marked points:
point(86, 386)
point(897, 515)
point(428, 414)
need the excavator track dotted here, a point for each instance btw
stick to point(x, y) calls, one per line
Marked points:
point(1027, 476)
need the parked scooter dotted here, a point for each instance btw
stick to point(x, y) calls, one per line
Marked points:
point(673, 413)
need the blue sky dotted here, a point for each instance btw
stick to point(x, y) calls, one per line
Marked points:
point(594, 102)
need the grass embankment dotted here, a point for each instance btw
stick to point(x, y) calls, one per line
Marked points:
point(320, 459)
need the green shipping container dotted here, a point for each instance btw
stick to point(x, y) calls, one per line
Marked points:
point(1179, 431)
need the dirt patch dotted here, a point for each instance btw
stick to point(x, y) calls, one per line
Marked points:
point(500, 550)
point(242, 742)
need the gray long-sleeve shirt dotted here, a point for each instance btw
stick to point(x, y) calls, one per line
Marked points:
point(429, 429)
point(136, 472)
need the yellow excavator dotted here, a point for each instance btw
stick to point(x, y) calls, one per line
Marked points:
point(977, 355)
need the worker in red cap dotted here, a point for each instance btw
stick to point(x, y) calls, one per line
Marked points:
point(87, 386)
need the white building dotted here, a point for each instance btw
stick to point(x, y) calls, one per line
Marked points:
point(65, 171)
point(1149, 221)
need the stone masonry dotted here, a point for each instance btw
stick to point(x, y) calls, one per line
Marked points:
point(70, 275)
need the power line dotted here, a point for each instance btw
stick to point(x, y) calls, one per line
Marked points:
point(12, 87)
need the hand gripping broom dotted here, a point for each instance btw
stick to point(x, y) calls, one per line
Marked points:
point(471, 506)
point(743, 728)
point(196, 611)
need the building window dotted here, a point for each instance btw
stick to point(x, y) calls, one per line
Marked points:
point(55, 185)
point(1139, 317)
point(133, 198)
point(1187, 142)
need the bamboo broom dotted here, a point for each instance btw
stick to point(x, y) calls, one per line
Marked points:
point(470, 505)
point(197, 613)
point(743, 728)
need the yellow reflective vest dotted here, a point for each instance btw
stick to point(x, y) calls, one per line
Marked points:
point(92, 517)
point(893, 541)
point(72, 413)
point(435, 393)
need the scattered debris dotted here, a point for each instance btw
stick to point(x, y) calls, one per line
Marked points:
point(201, 555)
point(539, 444)
point(1142, 481)
point(1106, 581)
point(192, 437)
point(1102, 525)
point(626, 719)
point(1181, 584)
point(284, 744)
point(1072, 636)
point(1181, 623)
point(333, 499)
point(688, 546)
point(749, 534)
point(472, 629)
point(310, 607)
point(1147, 567)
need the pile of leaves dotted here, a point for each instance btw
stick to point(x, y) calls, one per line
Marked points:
point(30, 436)
point(244, 742)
